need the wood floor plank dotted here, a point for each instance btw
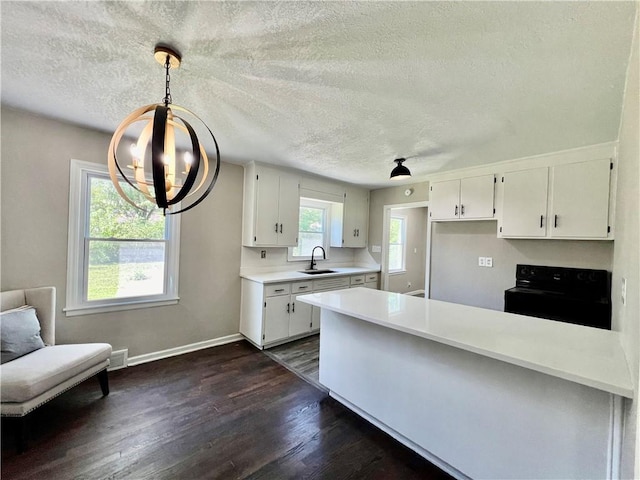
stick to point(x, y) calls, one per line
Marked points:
point(225, 413)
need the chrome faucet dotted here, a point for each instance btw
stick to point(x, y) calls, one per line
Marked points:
point(313, 262)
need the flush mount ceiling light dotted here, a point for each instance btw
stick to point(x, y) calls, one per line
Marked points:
point(158, 135)
point(400, 172)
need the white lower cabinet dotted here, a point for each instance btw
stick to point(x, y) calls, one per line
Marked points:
point(270, 314)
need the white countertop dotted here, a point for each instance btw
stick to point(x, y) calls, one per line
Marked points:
point(588, 356)
point(294, 275)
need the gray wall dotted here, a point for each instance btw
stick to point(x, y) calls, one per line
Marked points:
point(456, 246)
point(390, 196)
point(416, 251)
point(626, 257)
point(34, 215)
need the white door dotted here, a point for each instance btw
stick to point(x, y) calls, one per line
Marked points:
point(300, 318)
point(276, 318)
point(289, 210)
point(266, 212)
point(444, 200)
point(356, 215)
point(476, 197)
point(580, 200)
point(524, 203)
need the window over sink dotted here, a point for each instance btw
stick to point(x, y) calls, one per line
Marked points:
point(314, 229)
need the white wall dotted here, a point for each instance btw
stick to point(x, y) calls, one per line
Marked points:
point(626, 257)
point(34, 213)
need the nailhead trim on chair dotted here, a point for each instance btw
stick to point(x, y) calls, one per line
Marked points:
point(9, 415)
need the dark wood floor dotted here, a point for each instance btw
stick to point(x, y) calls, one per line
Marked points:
point(225, 412)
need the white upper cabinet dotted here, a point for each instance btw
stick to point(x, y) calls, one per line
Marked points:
point(579, 203)
point(468, 198)
point(568, 201)
point(524, 203)
point(271, 207)
point(355, 224)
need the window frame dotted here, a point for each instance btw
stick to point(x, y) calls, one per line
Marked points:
point(326, 234)
point(80, 174)
point(403, 268)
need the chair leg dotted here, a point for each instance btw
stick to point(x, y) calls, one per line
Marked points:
point(103, 378)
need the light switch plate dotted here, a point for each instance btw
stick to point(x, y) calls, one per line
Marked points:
point(376, 248)
point(488, 262)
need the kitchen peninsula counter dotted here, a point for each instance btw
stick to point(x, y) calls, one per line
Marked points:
point(483, 394)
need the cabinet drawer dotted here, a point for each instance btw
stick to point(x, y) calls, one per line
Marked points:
point(277, 289)
point(302, 287)
point(371, 277)
point(357, 280)
point(330, 283)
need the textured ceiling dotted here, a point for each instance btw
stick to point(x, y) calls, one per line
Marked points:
point(335, 88)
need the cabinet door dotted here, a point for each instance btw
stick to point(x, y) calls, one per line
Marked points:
point(524, 206)
point(288, 210)
point(266, 211)
point(276, 318)
point(315, 318)
point(300, 318)
point(444, 200)
point(356, 218)
point(580, 200)
point(476, 197)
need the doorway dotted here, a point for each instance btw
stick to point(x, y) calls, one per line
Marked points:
point(405, 248)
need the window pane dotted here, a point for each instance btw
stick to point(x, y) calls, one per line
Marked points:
point(395, 257)
point(306, 242)
point(395, 230)
point(311, 219)
point(120, 269)
point(110, 216)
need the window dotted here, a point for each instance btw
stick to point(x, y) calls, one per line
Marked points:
point(397, 243)
point(119, 257)
point(313, 229)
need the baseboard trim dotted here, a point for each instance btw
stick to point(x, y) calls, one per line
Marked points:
point(444, 466)
point(415, 292)
point(192, 347)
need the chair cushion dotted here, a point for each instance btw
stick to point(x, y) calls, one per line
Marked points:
point(19, 333)
point(37, 372)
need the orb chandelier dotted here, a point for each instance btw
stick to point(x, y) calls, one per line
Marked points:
point(167, 163)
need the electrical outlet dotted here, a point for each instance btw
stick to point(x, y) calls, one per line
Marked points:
point(482, 261)
point(263, 254)
point(408, 284)
point(623, 291)
point(376, 249)
point(488, 262)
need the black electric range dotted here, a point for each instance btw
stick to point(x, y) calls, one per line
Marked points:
point(573, 295)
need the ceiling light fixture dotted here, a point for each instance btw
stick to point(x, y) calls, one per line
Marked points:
point(160, 132)
point(400, 172)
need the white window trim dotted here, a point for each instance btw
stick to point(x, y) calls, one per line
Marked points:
point(402, 270)
point(326, 206)
point(79, 173)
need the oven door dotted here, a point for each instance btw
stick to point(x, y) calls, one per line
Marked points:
point(558, 306)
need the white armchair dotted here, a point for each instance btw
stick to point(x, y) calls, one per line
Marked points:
point(35, 378)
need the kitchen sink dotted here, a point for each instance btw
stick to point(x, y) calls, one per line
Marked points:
point(316, 272)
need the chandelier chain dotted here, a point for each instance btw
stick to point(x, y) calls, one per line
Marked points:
point(167, 99)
